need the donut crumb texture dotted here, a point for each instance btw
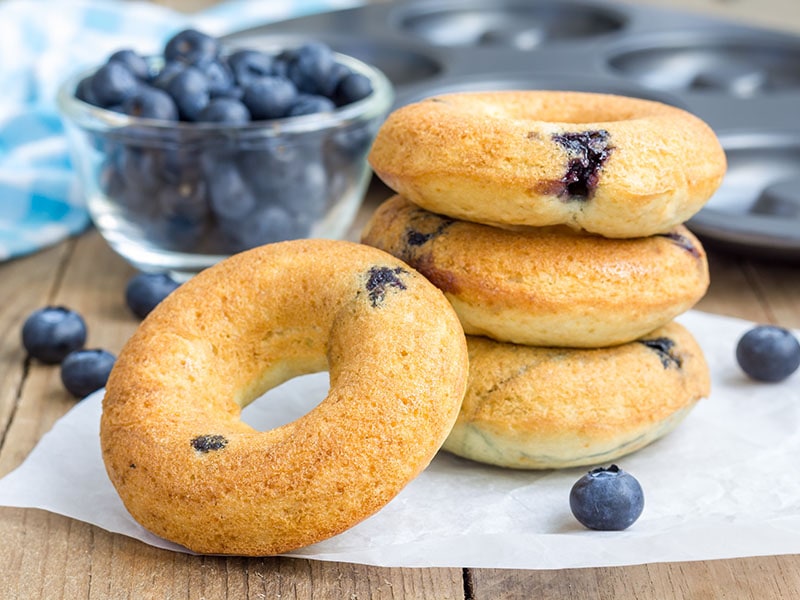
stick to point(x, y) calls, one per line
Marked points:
point(664, 346)
point(589, 150)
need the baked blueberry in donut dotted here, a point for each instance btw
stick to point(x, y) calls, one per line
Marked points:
point(664, 348)
point(682, 241)
point(379, 279)
point(589, 150)
point(207, 443)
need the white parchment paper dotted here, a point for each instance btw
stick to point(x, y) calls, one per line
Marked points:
point(725, 484)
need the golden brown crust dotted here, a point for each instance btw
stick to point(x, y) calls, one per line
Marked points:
point(495, 158)
point(189, 470)
point(542, 408)
point(546, 286)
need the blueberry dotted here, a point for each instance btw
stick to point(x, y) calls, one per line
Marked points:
point(768, 353)
point(607, 499)
point(135, 63)
point(309, 104)
point(192, 47)
point(145, 290)
point(265, 225)
point(224, 110)
point(86, 371)
point(248, 65)
point(189, 90)
point(219, 76)
point(337, 72)
point(352, 88)
point(170, 69)
point(151, 103)
point(84, 92)
point(269, 97)
point(310, 65)
point(112, 84)
point(229, 194)
point(50, 333)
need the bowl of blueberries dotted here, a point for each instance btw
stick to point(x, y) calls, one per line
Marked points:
point(205, 151)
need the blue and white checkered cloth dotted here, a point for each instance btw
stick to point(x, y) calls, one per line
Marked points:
point(41, 43)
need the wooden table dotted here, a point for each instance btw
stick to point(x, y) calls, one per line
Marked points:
point(43, 555)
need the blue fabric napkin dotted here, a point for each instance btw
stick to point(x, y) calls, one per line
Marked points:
point(41, 43)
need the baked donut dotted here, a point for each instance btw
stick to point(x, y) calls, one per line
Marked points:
point(546, 286)
point(548, 408)
point(612, 165)
point(188, 469)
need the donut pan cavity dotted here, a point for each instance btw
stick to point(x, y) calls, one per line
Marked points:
point(743, 81)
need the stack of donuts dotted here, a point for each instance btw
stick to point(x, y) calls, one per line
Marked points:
point(553, 223)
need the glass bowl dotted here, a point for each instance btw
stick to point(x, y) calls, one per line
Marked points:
point(178, 197)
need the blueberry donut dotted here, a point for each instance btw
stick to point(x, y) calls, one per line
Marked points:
point(188, 469)
point(546, 286)
point(611, 165)
point(548, 408)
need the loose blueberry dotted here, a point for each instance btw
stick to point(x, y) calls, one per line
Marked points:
point(192, 47)
point(151, 103)
point(607, 499)
point(50, 333)
point(768, 353)
point(86, 371)
point(189, 90)
point(224, 110)
point(135, 63)
point(352, 88)
point(112, 84)
point(269, 97)
point(145, 290)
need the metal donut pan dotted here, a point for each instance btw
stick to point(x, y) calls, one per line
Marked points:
point(743, 81)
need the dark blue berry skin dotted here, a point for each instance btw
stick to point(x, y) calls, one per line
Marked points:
point(86, 371)
point(607, 499)
point(151, 103)
point(269, 97)
point(162, 78)
point(145, 290)
point(309, 104)
point(248, 65)
point(309, 67)
point(224, 110)
point(192, 47)
point(352, 88)
point(768, 353)
point(112, 84)
point(189, 90)
point(84, 91)
point(50, 333)
point(229, 194)
point(219, 77)
point(134, 62)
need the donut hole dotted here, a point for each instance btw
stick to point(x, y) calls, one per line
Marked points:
point(287, 402)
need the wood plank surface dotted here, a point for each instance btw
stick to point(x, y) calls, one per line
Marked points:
point(46, 556)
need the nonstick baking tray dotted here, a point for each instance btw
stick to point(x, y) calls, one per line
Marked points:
point(743, 81)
